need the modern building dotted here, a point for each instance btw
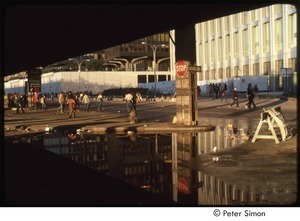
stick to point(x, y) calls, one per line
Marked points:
point(138, 55)
point(251, 43)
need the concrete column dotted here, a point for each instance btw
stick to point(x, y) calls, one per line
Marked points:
point(185, 43)
point(186, 98)
point(186, 86)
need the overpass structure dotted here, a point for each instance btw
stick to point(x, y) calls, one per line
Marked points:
point(41, 34)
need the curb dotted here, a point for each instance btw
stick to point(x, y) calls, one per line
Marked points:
point(154, 128)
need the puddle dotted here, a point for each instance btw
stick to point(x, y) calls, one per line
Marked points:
point(160, 163)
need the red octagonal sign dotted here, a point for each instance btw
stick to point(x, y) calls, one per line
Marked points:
point(181, 68)
point(183, 186)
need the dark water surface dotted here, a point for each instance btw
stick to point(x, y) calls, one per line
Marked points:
point(166, 165)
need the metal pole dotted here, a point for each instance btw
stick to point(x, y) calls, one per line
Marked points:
point(154, 63)
point(154, 69)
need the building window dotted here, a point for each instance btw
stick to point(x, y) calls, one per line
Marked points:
point(236, 71)
point(220, 52)
point(265, 12)
point(212, 27)
point(266, 37)
point(213, 51)
point(150, 78)
point(205, 27)
point(246, 70)
point(213, 76)
point(227, 23)
point(200, 50)
point(267, 68)
point(254, 15)
point(207, 75)
point(255, 40)
point(235, 20)
point(142, 79)
point(206, 53)
point(292, 30)
point(278, 34)
point(292, 63)
point(256, 69)
point(277, 9)
point(228, 74)
point(227, 47)
point(200, 76)
point(219, 25)
point(199, 28)
point(245, 42)
point(244, 18)
point(236, 45)
point(220, 73)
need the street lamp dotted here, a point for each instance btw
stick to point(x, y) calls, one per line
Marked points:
point(154, 47)
point(79, 68)
point(134, 60)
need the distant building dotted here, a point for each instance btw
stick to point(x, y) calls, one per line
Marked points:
point(131, 56)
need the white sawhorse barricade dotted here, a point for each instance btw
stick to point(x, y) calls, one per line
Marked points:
point(275, 119)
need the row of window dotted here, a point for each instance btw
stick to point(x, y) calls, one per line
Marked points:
point(213, 50)
point(227, 23)
point(223, 73)
point(248, 41)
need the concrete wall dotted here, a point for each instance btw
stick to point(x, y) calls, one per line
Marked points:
point(83, 81)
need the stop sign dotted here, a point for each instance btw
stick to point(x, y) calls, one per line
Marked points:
point(181, 68)
point(183, 186)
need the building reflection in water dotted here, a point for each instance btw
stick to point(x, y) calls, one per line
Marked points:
point(159, 163)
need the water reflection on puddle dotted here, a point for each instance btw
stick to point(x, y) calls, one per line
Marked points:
point(159, 163)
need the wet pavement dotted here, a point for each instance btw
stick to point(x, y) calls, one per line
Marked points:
point(263, 172)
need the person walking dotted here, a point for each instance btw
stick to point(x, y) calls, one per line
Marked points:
point(61, 100)
point(43, 102)
point(71, 103)
point(35, 101)
point(100, 102)
point(134, 100)
point(224, 93)
point(216, 90)
point(255, 91)
point(211, 90)
point(77, 101)
point(129, 102)
point(86, 102)
point(250, 96)
point(235, 99)
point(17, 101)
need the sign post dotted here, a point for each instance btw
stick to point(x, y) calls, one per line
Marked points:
point(186, 93)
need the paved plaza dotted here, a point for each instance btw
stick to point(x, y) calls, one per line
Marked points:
point(266, 165)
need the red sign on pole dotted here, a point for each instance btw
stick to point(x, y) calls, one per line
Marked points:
point(181, 68)
point(183, 186)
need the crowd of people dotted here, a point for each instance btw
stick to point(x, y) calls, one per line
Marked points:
point(218, 91)
point(75, 100)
